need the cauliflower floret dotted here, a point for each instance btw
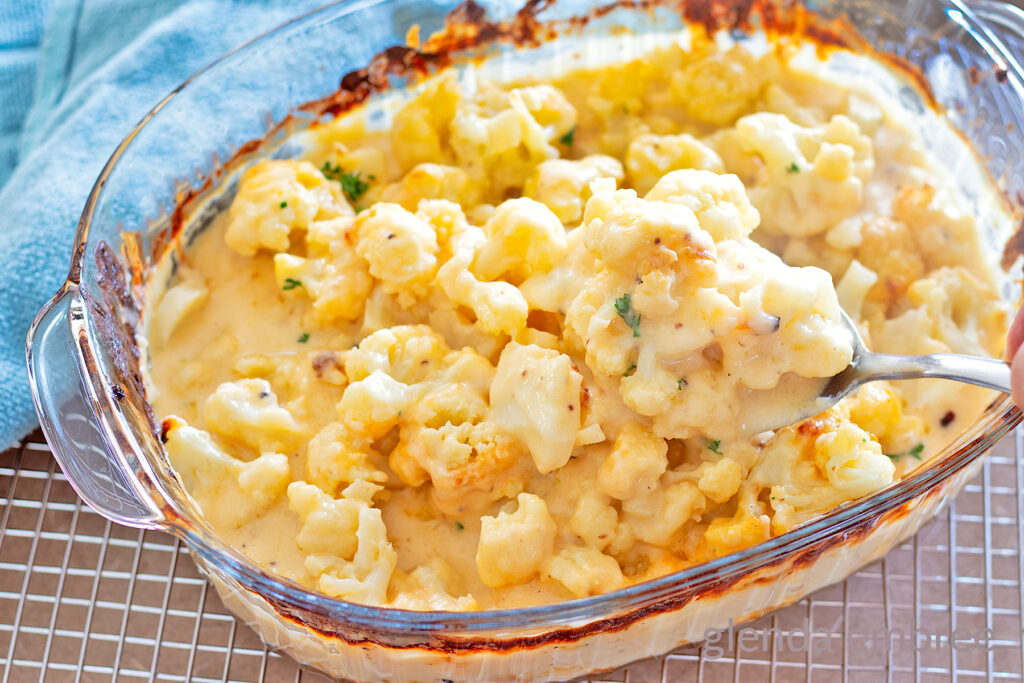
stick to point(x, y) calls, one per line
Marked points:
point(652, 156)
point(455, 401)
point(400, 248)
point(420, 128)
point(854, 287)
point(852, 461)
point(329, 524)
point(423, 589)
point(331, 274)
point(246, 410)
point(801, 465)
point(432, 181)
point(276, 197)
point(810, 339)
point(553, 290)
point(465, 463)
point(878, 410)
point(346, 540)
point(967, 314)
point(365, 579)
point(544, 113)
point(637, 236)
point(636, 462)
point(523, 236)
point(364, 165)
point(370, 407)
point(336, 456)
point(514, 546)
point(408, 353)
point(727, 535)
point(942, 234)
point(718, 87)
point(950, 310)
point(719, 201)
point(499, 306)
point(592, 317)
point(501, 135)
point(229, 492)
point(495, 121)
point(564, 185)
point(594, 519)
point(812, 178)
point(656, 517)
point(536, 396)
point(585, 571)
point(446, 218)
point(437, 401)
point(887, 247)
point(188, 294)
point(720, 479)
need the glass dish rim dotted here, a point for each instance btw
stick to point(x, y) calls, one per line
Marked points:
point(999, 419)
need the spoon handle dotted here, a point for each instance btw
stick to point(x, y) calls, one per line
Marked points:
point(985, 372)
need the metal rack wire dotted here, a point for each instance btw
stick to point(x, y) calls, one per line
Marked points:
point(84, 599)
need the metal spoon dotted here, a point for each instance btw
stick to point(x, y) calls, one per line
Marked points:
point(868, 367)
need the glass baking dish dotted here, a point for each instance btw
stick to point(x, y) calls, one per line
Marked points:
point(169, 177)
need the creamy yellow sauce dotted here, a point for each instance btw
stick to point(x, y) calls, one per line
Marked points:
point(504, 351)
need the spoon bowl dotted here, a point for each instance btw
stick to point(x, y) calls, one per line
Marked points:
point(867, 366)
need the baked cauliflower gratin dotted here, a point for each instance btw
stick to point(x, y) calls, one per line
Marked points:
point(500, 351)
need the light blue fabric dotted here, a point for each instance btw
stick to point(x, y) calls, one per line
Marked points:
point(100, 66)
point(21, 24)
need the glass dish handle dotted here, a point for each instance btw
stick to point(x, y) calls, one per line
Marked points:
point(72, 425)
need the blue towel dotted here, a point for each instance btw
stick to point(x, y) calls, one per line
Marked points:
point(97, 66)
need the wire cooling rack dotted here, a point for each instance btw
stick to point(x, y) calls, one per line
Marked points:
point(84, 599)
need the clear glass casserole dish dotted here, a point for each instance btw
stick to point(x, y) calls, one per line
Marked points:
point(167, 180)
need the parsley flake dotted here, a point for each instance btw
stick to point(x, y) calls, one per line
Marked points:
point(458, 525)
point(284, 205)
point(304, 337)
point(715, 447)
point(624, 307)
point(569, 137)
point(793, 168)
point(914, 452)
point(679, 384)
point(630, 370)
point(290, 283)
point(352, 183)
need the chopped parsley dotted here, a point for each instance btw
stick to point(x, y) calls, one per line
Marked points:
point(352, 183)
point(679, 384)
point(304, 337)
point(284, 205)
point(630, 370)
point(793, 168)
point(290, 283)
point(624, 307)
point(569, 137)
point(915, 452)
point(715, 447)
point(458, 525)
